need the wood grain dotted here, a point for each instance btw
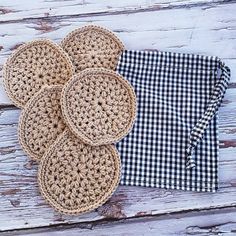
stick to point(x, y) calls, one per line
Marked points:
point(23, 10)
point(191, 26)
point(203, 29)
point(22, 203)
point(211, 222)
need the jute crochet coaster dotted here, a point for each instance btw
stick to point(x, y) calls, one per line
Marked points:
point(41, 121)
point(76, 178)
point(32, 65)
point(99, 106)
point(92, 46)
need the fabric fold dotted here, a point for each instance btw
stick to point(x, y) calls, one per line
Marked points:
point(197, 133)
point(176, 126)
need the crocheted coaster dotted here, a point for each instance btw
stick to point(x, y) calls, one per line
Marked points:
point(76, 178)
point(91, 47)
point(32, 65)
point(99, 106)
point(41, 121)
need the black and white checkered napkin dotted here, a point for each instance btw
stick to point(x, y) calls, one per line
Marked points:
point(174, 143)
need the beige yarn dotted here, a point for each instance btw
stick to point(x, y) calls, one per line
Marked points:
point(41, 121)
point(33, 65)
point(92, 46)
point(79, 168)
point(76, 178)
point(99, 106)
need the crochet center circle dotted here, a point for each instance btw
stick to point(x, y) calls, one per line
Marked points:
point(41, 121)
point(76, 178)
point(91, 47)
point(33, 65)
point(99, 106)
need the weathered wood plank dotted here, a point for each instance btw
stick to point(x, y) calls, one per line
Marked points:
point(23, 207)
point(227, 121)
point(212, 222)
point(12, 10)
point(210, 28)
point(207, 30)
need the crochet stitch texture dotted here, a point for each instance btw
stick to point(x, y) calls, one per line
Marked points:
point(76, 178)
point(33, 65)
point(41, 121)
point(99, 106)
point(92, 47)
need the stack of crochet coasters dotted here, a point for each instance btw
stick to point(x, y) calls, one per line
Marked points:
point(74, 108)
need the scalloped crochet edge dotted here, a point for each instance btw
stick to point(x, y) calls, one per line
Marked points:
point(21, 48)
point(81, 135)
point(55, 205)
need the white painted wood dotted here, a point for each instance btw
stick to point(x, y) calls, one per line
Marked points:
point(22, 206)
point(204, 30)
point(227, 117)
point(191, 26)
point(206, 223)
point(24, 9)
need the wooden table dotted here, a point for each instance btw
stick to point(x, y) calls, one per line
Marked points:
point(198, 26)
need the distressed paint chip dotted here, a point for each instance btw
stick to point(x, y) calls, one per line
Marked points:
point(7, 150)
point(227, 143)
point(45, 26)
point(6, 11)
point(10, 192)
point(15, 203)
point(111, 211)
point(30, 164)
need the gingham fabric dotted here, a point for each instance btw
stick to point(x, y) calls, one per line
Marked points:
point(174, 143)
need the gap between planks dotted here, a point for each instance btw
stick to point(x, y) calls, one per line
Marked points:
point(188, 222)
point(131, 10)
point(207, 31)
point(22, 203)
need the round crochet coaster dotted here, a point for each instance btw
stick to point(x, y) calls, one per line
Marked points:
point(99, 106)
point(75, 178)
point(32, 65)
point(41, 121)
point(92, 46)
